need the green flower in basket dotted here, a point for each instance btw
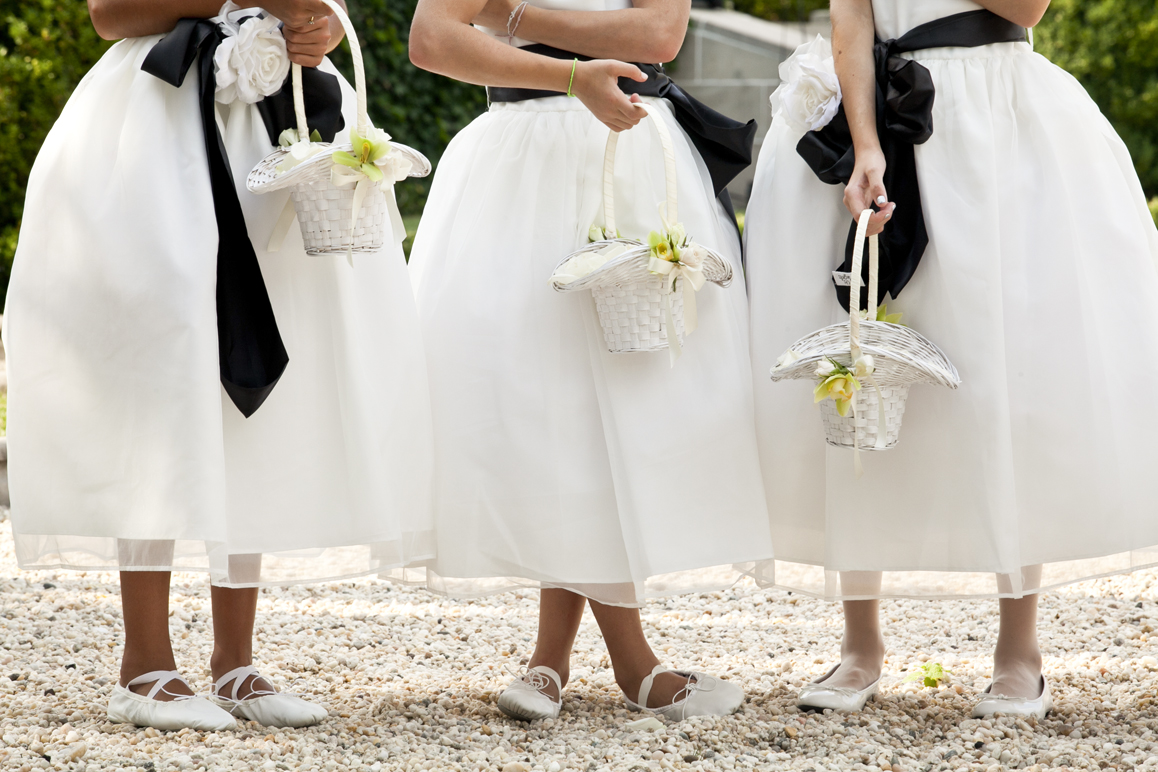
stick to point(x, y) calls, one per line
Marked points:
point(367, 151)
point(674, 255)
point(840, 383)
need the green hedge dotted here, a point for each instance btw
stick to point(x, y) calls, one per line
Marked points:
point(1111, 46)
point(46, 46)
point(780, 10)
point(418, 108)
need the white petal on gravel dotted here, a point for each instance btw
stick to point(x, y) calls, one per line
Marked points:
point(411, 679)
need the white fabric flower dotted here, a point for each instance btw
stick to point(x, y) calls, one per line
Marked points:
point(252, 63)
point(395, 166)
point(809, 92)
point(693, 255)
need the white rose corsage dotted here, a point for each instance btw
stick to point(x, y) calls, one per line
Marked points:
point(809, 93)
point(251, 62)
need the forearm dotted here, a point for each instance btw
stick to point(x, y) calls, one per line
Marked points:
point(652, 31)
point(1027, 13)
point(443, 41)
point(852, 48)
point(117, 19)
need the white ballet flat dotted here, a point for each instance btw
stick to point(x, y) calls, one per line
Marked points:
point(703, 695)
point(842, 699)
point(1037, 707)
point(263, 706)
point(184, 711)
point(524, 698)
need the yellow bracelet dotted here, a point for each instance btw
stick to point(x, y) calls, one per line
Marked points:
point(574, 64)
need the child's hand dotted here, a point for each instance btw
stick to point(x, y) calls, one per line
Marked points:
point(867, 187)
point(597, 86)
point(308, 45)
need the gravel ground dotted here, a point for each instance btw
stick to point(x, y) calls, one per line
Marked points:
point(411, 679)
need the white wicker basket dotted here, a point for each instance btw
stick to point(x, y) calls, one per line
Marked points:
point(632, 302)
point(901, 357)
point(324, 210)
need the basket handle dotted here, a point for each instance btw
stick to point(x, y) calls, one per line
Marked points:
point(854, 288)
point(671, 211)
point(359, 78)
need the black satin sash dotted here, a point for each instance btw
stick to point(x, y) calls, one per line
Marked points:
point(904, 111)
point(251, 354)
point(724, 143)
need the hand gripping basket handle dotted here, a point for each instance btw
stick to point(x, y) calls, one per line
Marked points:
point(359, 78)
point(854, 287)
point(669, 167)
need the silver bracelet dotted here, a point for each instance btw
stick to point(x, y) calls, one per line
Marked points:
point(513, 21)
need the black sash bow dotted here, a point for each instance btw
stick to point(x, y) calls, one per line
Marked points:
point(725, 144)
point(251, 354)
point(904, 111)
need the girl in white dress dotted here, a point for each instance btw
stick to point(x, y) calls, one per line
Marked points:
point(126, 451)
point(598, 477)
point(1039, 281)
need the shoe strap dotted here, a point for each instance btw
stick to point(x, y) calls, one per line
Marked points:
point(645, 684)
point(550, 674)
point(238, 675)
point(162, 679)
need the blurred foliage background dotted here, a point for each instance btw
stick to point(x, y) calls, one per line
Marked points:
point(46, 46)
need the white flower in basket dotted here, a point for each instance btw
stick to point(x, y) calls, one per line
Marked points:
point(645, 293)
point(809, 93)
point(865, 366)
point(342, 195)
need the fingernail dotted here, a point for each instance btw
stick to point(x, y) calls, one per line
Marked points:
point(881, 200)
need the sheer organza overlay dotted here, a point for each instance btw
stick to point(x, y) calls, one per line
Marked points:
point(559, 464)
point(1040, 283)
point(123, 450)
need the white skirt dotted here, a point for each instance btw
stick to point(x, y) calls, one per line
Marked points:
point(124, 451)
point(1040, 282)
point(557, 463)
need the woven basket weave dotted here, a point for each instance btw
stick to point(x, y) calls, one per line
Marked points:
point(324, 210)
point(901, 357)
point(630, 300)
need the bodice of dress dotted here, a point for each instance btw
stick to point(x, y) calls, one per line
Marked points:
point(896, 17)
point(564, 5)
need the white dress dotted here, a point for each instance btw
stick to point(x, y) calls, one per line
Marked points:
point(124, 451)
point(1040, 282)
point(557, 463)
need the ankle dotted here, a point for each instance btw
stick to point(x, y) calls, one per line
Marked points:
point(134, 665)
point(223, 661)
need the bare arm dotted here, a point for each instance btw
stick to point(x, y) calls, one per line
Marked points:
point(306, 42)
point(442, 40)
point(1027, 13)
point(852, 49)
point(651, 31)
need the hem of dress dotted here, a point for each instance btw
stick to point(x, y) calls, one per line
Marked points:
point(457, 587)
point(763, 583)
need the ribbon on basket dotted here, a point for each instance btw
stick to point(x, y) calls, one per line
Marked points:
point(854, 330)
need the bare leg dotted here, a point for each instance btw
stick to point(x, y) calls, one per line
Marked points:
point(560, 612)
point(862, 650)
point(233, 615)
point(632, 657)
point(145, 606)
point(1017, 658)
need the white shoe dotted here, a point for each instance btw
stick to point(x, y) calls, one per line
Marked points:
point(183, 711)
point(524, 698)
point(1014, 706)
point(817, 696)
point(703, 695)
point(263, 706)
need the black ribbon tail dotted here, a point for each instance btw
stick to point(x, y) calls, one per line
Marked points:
point(251, 354)
point(724, 143)
point(904, 108)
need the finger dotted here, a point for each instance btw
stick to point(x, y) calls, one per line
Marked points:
point(314, 49)
point(316, 33)
point(625, 70)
